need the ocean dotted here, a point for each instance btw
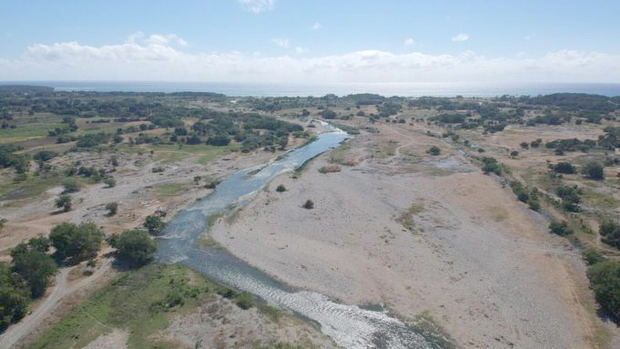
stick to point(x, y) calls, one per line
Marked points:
point(385, 89)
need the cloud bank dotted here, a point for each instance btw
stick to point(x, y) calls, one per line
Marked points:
point(164, 58)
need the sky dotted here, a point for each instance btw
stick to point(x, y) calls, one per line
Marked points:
point(311, 41)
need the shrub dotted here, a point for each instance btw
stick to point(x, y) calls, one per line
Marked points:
point(525, 145)
point(71, 186)
point(434, 151)
point(76, 242)
point(154, 224)
point(592, 256)
point(110, 182)
point(561, 229)
point(281, 188)
point(564, 167)
point(514, 154)
point(490, 165)
point(134, 247)
point(610, 233)
point(112, 208)
point(309, 204)
point(64, 202)
point(605, 280)
point(593, 170)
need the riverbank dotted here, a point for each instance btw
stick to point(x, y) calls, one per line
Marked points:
point(420, 235)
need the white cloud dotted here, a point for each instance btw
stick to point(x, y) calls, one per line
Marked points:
point(163, 58)
point(316, 26)
point(409, 42)
point(460, 37)
point(281, 42)
point(257, 6)
point(299, 50)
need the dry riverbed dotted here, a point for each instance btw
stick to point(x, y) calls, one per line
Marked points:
point(421, 235)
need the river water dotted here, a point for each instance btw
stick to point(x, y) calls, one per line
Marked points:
point(349, 326)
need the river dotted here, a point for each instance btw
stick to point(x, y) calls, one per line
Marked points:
point(348, 325)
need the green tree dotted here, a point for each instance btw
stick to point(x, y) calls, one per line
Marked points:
point(64, 202)
point(76, 242)
point(14, 296)
point(154, 224)
point(610, 232)
point(34, 266)
point(280, 188)
point(605, 280)
point(134, 247)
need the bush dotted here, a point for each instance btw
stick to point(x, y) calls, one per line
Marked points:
point(593, 170)
point(610, 233)
point(605, 281)
point(592, 256)
point(434, 151)
point(112, 208)
point(280, 188)
point(134, 247)
point(564, 167)
point(154, 224)
point(490, 165)
point(34, 266)
point(71, 186)
point(76, 242)
point(64, 202)
point(514, 154)
point(110, 182)
point(561, 229)
point(309, 204)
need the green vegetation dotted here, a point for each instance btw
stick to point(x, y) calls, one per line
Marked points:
point(280, 188)
point(560, 228)
point(112, 208)
point(14, 297)
point(434, 151)
point(610, 233)
point(141, 301)
point(110, 182)
point(309, 204)
point(134, 248)
point(70, 186)
point(605, 280)
point(64, 202)
point(491, 165)
point(154, 224)
point(593, 170)
point(76, 242)
point(33, 265)
point(564, 167)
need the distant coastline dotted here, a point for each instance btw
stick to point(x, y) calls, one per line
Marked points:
point(386, 89)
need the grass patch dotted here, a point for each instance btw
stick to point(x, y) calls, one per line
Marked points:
point(407, 218)
point(388, 149)
point(28, 131)
point(432, 332)
point(140, 301)
point(169, 189)
point(32, 186)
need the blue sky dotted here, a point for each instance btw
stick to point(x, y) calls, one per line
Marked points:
point(246, 40)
